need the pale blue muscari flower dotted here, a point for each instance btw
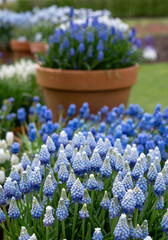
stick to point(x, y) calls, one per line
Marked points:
point(65, 198)
point(138, 232)
point(128, 202)
point(77, 191)
point(144, 227)
point(48, 188)
point(114, 208)
point(138, 169)
point(118, 189)
point(159, 186)
point(139, 197)
point(97, 235)
point(92, 183)
point(105, 203)
point(61, 159)
point(112, 154)
point(86, 161)
point(127, 181)
point(50, 145)
point(91, 141)
point(133, 157)
point(48, 217)
point(119, 164)
point(62, 211)
point(118, 145)
point(83, 213)
point(96, 161)
point(100, 182)
point(63, 173)
point(106, 169)
point(126, 169)
point(121, 231)
point(63, 139)
point(160, 203)
point(24, 234)
point(86, 198)
point(101, 148)
point(157, 164)
point(78, 164)
point(71, 180)
point(152, 173)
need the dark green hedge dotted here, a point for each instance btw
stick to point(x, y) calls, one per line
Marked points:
point(120, 8)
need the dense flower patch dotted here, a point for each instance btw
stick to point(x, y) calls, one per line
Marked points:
point(100, 176)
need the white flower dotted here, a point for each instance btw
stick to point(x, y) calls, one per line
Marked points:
point(2, 156)
point(18, 167)
point(149, 53)
point(9, 138)
point(7, 155)
point(2, 176)
point(3, 144)
point(14, 159)
point(148, 238)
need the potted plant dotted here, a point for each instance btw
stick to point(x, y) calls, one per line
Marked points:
point(92, 61)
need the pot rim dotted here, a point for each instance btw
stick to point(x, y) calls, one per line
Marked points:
point(46, 69)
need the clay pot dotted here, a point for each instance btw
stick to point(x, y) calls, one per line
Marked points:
point(38, 47)
point(97, 87)
point(20, 49)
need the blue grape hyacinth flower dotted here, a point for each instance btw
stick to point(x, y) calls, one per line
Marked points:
point(97, 235)
point(62, 211)
point(48, 217)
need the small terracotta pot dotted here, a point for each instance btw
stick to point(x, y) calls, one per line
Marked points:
point(38, 47)
point(20, 49)
point(97, 87)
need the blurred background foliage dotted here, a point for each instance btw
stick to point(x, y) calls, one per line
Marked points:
point(119, 8)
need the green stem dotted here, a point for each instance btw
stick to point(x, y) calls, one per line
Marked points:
point(63, 229)
point(135, 217)
point(4, 228)
point(92, 202)
point(83, 229)
point(74, 220)
point(7, 218)
point(57, 229)
point(28, 209)
point(47, 233)
point(114, 223)
point(152, 219)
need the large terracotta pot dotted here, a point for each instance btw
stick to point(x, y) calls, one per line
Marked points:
point(20, 49)
point(97, 87)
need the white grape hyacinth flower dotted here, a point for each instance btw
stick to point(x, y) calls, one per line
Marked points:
point(2, 156)
point(150, 53)
point(2, 176)
point(14, 159)
point(9, 138)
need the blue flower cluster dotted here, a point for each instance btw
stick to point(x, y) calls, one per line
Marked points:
point(91, 172)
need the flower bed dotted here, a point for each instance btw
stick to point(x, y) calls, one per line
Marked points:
point(100, 176)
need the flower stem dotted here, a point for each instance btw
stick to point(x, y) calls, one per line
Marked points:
point(135, 217)
point(28, 209)
point(47, 233)
point(63, 229)
point(83, 229)
point(74, 220)
point(114, 222)
point(92, 202)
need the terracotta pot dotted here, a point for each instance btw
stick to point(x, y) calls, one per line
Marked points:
point(38, 47)
point(20, 49)
point(97, 87)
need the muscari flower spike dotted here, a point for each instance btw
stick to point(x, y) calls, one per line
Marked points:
point(61, 159)
point(144, 228)
point(118, 189)
point(78, 164)
point(48, 217)
point(69, 150)
point(63, 139)
point(44, 155)
point(139, 197)
point(148, 238)
point(92, 183)
point(64, 196)
point(152, 173)
point(71, 180)
point(165, 175)
point(106, 169)
point(87, 149)
point(35, 179)
point(50, 145)
point(86, 198)
point(36, 210)
point(2, 216)
point(142, 184)
point(86, 161)
point(119, 164)
point(131, 228)
point(164, 223)
point(48, 188)
point(77, 191)
point(24, 234)
point(13, 210)
point(105, 203)
point(25, 183)
point(159, 186)
point(118, 146)
point(133, 157)
point(96, 161)
point(100, 182)
point(121, 231)
point(9, 188)
point(138, 232)
point(97, 235)
point(2, 196)
point(63, 173)
point(160, 203)
point(128, 202)
point(62, 211)
point(33, 237)
point(138, 169)
point(112, 154)
point(127, 181)
point(18, 194)
point(91, 141)
point(101, 148)
point(14, 175)
point(126, 169)
point(114, 208)
point(35, 162)
point(83, 213)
